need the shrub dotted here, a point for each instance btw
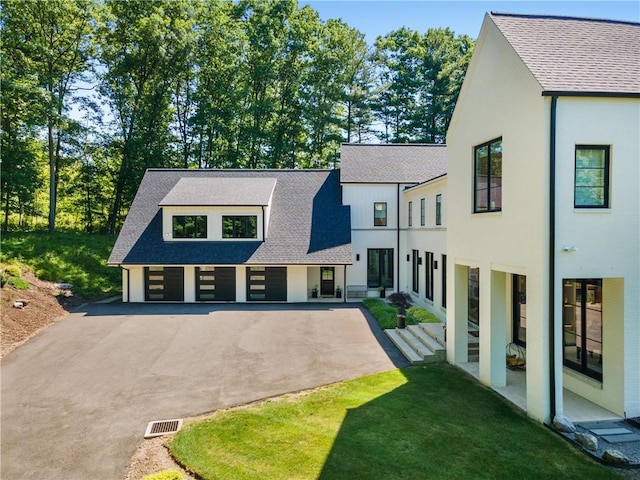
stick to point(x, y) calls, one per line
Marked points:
point(18, 283)
point(13, 271)
point(164, 475)
point(384, 313)
point(400, 299)
point(420, 315)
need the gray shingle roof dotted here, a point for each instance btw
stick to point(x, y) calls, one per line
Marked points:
point(308, 223)
point(220, 191)
point(391, 162)
point(576, 54)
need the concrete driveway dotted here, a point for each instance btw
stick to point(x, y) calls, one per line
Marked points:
point(76, 399)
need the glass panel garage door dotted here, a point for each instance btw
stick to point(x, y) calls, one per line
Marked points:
point(164, 284)
point(216, 284)
point(267, 284)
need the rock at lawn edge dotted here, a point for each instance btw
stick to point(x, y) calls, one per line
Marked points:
point(587, 440)
point(614, 457)
point(563, 424)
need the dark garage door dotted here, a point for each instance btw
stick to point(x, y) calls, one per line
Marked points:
point(164, 284)
point(267, 284)
point(216, 284)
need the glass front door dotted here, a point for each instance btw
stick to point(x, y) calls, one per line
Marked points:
point(327, 281)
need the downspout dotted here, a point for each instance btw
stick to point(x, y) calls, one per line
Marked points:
point(552, 255)
point(398, 240)
point(264, 227)
point(344, 285)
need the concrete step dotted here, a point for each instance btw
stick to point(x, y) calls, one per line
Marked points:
point(435, 331)
point(428, 341)
point(415, 343)
point(406, 349)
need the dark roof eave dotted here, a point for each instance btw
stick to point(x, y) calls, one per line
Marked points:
point(292, 264)
point(568, 93)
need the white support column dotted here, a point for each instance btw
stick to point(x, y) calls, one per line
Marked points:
point(189, 284)
point(241, 283)
point(493, 328)
point(458, 316)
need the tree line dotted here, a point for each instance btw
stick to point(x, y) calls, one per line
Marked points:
point(94, 92)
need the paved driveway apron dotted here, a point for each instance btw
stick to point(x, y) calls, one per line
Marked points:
point(76, 399)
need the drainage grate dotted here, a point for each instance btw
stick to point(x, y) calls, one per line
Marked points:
point(162, 427)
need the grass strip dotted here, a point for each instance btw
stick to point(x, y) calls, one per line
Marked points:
point(431, 422)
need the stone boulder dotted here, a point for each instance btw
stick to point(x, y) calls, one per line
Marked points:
point(587, 440)
point(563, 424)
point(615, 457)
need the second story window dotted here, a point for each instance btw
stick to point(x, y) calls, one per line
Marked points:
point(488, 177)
point(439, 209)
point(592, 177)
point(380, 214)
point(410, 213)
point(423, 209)
point(189, 226)
point(240, 226)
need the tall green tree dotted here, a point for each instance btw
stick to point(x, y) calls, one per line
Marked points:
point(56, 37)
point(420, 76)
point(144, 47)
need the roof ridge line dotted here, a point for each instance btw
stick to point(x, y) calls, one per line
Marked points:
point(564, 17)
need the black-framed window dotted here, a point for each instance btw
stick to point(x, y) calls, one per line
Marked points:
point(423, 211)
point(410, 213)
point(439, 209)
point(239, 226)
point(474, 296)
point(591, 188)
point(380, 267)
point(428, 284)
point(443, 270)
point(415, 266)
point(189, 226)
point(380, 214)
point(520, 309)
point(582, 325)
point(488, 177)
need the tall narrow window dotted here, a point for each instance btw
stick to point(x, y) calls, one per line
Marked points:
point(520, 310)
point(428, 285)
point(443, 269)
point(415, 284)
point(423, 209)
point(240, 226)
point(582, 319)
point(439, 209)
point(380, 267)
point(189, 226)
point(488, 177)
point(474, 296)
point(380, 214)
point(592, 177)
point(410, 213)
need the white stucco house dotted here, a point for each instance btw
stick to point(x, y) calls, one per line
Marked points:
point(543, 177)
point(524, 229)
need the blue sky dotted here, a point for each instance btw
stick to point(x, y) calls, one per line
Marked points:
point(379, 17)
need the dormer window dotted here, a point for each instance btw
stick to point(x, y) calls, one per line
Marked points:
point(189, 226)
point(239, 226)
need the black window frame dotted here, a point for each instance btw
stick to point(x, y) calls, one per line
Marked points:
point(444, 280)
point(439, 209)
point(415, 267)
point(473, 296)
point(519, 297)
point(429, 276)
point(382, 271)
point(583, 353)
point(380, 221)
point(423, 211)
point(240, 227)
point(199, 226)
point(607, 162)
point(490, 178)
point(410, 214)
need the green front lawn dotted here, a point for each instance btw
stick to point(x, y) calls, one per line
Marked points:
point(430, 422)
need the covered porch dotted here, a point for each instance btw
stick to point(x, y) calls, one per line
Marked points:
point(325, 283)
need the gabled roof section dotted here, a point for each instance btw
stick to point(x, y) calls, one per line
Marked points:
point(220, 191)
point(391, 162)
point(576, 55)
point(307, 223)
